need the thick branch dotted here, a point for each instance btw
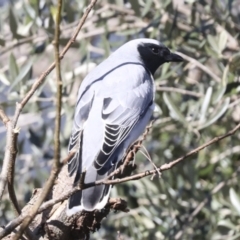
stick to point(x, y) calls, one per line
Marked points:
point(201, 66)
point(13, 224)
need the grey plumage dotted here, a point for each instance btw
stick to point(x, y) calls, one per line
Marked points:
point(115, 104)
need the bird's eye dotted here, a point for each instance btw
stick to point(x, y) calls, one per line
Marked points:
point(155, 50)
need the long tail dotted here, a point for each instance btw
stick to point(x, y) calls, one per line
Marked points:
point(91, 198)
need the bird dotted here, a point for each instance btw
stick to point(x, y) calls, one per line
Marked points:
point(115, 103)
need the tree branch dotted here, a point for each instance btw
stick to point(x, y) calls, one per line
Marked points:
point(11, 172)
point(3, 117)
point(41, 79)
point(56, 164)
point(7, 157)
point(206, 200)
point(178, 90)
point(201, 66)
point(14, 223)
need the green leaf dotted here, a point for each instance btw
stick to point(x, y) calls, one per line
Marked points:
point(235, 200)
point(218, 96)
point(222, 40)
point(148, 223)
point(171, 72)
point(164, 70)
point(2, 42)
point(105, 42)
point(205, 105)
point(30, 11)
point(235, 237)
point(4, 79)
point(147, 7)
point(234, 64)
point(135, 7)
point(13, 68)
point(24, 30)
point(213, 43)
point(13, 23)
point(54, 10)
point(216, 114)
point(174, 112)
point(227, 224)
point(22, 74)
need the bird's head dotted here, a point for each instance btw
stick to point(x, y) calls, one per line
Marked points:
point(154, 54)
point(148, 51)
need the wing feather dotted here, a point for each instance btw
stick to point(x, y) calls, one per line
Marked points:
point(81, 115)
point(118, 125)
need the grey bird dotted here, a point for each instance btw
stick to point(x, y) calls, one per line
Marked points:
point(115, 104)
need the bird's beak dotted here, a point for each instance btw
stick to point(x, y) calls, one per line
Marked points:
point(172, 57)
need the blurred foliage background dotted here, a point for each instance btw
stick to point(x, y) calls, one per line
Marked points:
point(197, 100)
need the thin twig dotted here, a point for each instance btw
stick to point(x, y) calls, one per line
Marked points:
point(8, 168)
point(18, 43)
point(146, 155)
point(166, 166)
point(59, 88)
point(56, 164)
point(7, 157)
point(82, 179)
point(178, 90)
point(3, 117)
point(69, 157)
point(204, 202)
point(14, 223)
point(131, 154)
point(11, 173)
point(41, 79)
point(201, 66)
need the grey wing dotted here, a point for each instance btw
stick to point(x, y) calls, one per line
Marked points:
point(120, 114)
point(81, 115)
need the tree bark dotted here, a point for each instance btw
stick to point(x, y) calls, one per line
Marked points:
point(53, 223)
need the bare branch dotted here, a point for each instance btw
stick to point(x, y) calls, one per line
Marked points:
point(7, 157)
point(59, 89)
point(56, 164)
point(41, 79)
point(69, 157)
point(11, 172)
point(13, 224)
point(178, 90)
point(166, 166)
point(216, 189)
point(201, 66)
point(17, 43)
point(3, 117)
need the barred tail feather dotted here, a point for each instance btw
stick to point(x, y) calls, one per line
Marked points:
point(91, 198)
